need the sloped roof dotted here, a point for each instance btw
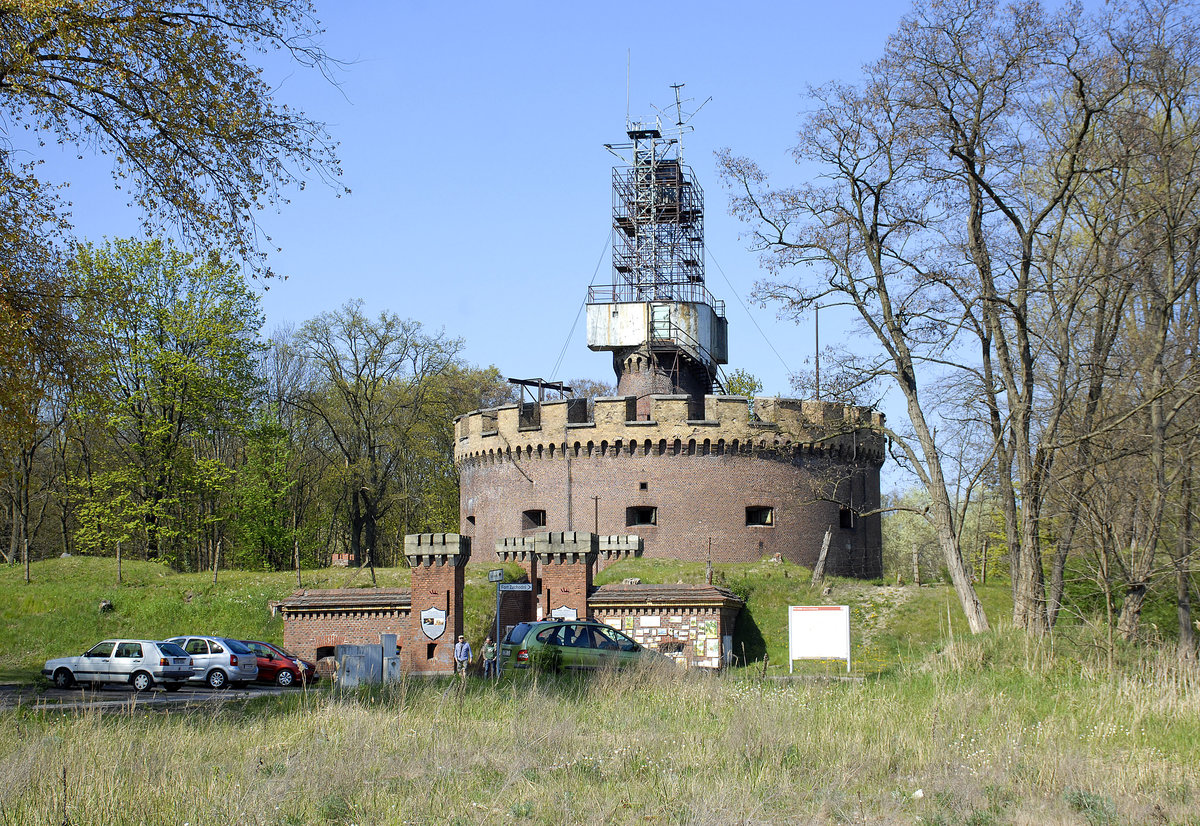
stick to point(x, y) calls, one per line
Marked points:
point(348, 599)
point(627, 595)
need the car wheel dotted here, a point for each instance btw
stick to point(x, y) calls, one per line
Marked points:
point(63, 678)
point(284, 678)
point(172, 686)
point(141, 681)
point(217, 679)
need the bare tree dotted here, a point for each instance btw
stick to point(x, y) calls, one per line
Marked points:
point(981, 199)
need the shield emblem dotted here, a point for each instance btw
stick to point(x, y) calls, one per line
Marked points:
point(565, 613)
point(433, 622)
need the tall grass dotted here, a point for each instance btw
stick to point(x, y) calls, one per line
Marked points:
point(986, 732)
point(944, 729)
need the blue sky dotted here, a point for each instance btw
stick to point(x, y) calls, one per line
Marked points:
point(472, 138)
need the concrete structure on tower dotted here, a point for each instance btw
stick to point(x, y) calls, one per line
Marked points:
point(695, 473)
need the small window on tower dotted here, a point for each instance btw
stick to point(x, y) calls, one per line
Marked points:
point(643, 485)
point(846, 518)
point(762, 516)
point(641, 516)
point(533, 519)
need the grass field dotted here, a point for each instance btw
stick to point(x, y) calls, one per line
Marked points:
point(942, 728)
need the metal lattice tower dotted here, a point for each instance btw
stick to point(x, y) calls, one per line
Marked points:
point(666, 332)
point(658, 222)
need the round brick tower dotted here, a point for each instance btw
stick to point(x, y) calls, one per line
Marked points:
point(731, 487)
point(695, 473)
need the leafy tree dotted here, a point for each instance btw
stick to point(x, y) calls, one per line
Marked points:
point(170, 93)
point(175, 370)
point(742, 383)
point(262, 519)
point(591, 389)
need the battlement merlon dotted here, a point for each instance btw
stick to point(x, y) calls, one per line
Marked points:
point(767, 422)
point(436, 549)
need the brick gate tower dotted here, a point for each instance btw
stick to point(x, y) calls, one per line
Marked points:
point(437, 561)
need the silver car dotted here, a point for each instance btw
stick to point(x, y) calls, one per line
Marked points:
point(219, 661)
point(140, 663)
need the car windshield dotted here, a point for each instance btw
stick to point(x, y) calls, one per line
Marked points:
point(517, 633)
point(171, 649)
point(236, 647)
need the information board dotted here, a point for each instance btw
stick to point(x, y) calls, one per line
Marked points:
point(818, 632)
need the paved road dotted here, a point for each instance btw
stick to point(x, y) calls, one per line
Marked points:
point(121, 698)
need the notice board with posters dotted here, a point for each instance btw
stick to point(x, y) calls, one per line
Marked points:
point(818, 632)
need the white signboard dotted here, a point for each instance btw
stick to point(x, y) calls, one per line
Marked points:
point(819, 632)
point(565, 613)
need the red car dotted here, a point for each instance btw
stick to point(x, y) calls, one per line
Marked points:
point(278, 666)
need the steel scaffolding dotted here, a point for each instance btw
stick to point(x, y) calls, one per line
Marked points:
point(658, 223)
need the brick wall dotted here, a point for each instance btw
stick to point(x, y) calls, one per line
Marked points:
point(697, 499)
point(307, 631)
point(813, 464)
point(565, 561)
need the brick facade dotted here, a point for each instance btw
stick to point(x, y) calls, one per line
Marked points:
point(737, 486)
point(565, 563)
point(438, 563)
point(692, 624)
point(316, 621)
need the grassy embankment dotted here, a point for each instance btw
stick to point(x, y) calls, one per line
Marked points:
point(57, 613)
point(950, 730)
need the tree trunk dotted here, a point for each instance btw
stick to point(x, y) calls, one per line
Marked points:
point(1029, 591)
point(819, 571)
point(14, 540)
point(983, 564)
point(1183, 601)
point(25, 555)
point(296, 549)
point(942, 517)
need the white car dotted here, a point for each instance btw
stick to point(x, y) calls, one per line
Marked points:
point(140, 663)
point(219, 661)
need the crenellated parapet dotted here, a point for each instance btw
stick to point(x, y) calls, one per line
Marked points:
point(515, 549)
point(731, 424)
point(566, 547)
point(437, 549)
point(619, 546)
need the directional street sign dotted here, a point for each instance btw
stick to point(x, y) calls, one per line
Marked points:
point(517, 586)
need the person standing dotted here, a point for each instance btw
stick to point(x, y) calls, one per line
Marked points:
point(489, 659)
point(462, 657)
